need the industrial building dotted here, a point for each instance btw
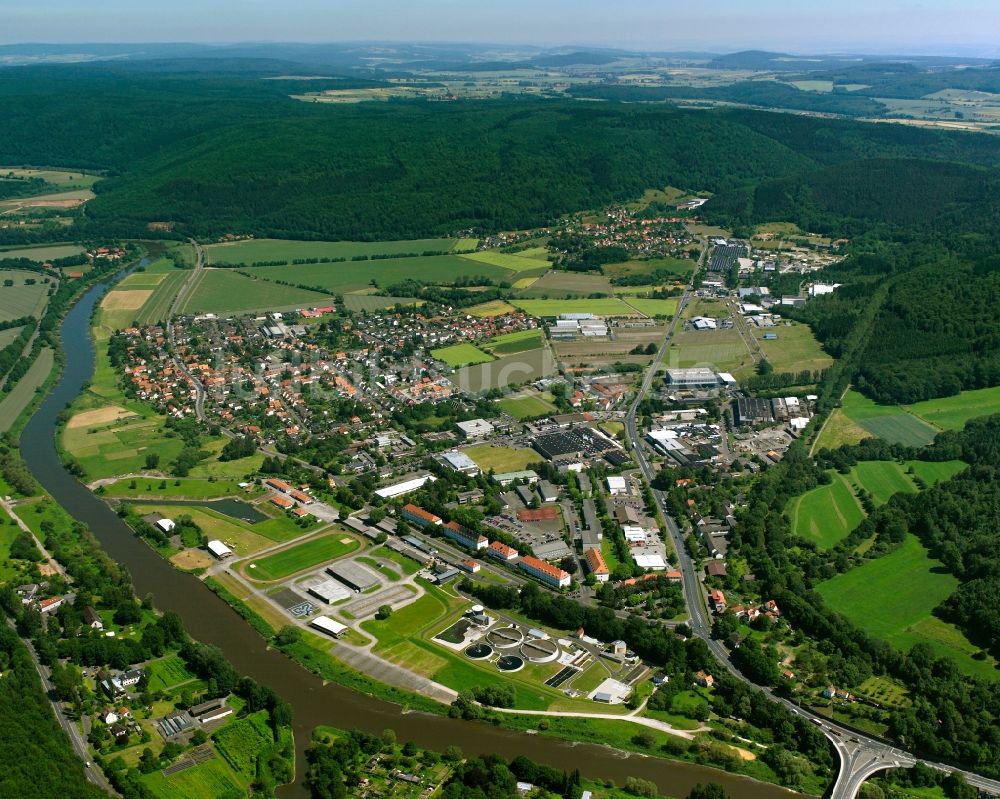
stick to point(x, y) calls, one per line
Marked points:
point(461, 462)
point(475, 428)
point(220, 550)
point(353, 575)
point(405, 487)
point(329, 626)
point(752, 410)
point(695, 378)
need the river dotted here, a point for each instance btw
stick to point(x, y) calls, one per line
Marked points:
point(210, 620)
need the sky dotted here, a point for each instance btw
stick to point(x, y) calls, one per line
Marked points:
point(952, 27)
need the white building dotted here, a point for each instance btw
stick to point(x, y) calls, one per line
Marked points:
point(167, 525)
point(461, 462)
point(617, 485)
point(650, 562)
point(220, 550)
point(398, 489)
point(475, 428)
point(329, 626)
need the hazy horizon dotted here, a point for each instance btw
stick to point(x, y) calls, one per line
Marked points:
point(890, 27)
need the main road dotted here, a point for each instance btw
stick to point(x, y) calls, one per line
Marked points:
point(860, 756)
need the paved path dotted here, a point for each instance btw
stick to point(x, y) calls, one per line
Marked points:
point(643, 721)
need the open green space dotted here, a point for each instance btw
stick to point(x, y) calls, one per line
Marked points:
point(157, 307)
point(21, 298)
point(258, 250)
point(42, 253)
point(243, 538)
point(502, 459)
point(881, 479)
point(301, 556)
point(377, 302)
point(7, 336)
point(120, 447)
point(932, 472)
point(408, 566)
point(167, 672)
point(24, 391)
point(722, 349)
point(794, 349)
point(350, 276)
point(526, 406)
point(516, 262)
point(519, 341)
point(653, 307)
point(889, 422)
point(461, 355)
point(827, 513)
point(681, 268)
point(173, 488)
point(558, 283)
point(491, 308)
point(208, 780)
point(224, 291)
point(606, 306)
point(63, 179)
point(951, 413)
point(8, 532)
point(892, 597)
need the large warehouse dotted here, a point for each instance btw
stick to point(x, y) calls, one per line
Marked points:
point(353, 575)
point(699, 377)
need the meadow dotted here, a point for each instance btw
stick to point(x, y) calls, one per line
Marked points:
point(837, 431)
point(653, 307)
point(606, 306)
point(502, 459)
point(520, 341)
point(21, 299)
point(461, 355)
point(43, 252)
point(243, 538)
point(795, 349)
point(723, 349)
point(207, 780)
point(889, 422)
point(564, 284)
point(681, 268)
point(516, 262)
point(892, 597)
point(951, 413)
point(175, 488)
point(61, 179)
point(167, 672)
point(120, 446)
point(376, 302)
point(881, 479)
point(24, 391)
point(492, 308)
point(507, 372)
point(827, 513)
point(309, 553)
point(258, 250)
point(221, 291)
point(348, 276)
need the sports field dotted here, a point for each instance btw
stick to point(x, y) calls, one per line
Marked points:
point(521, 341)
point(889, 422)
point(892, 597)
point(348, 276)
point(461, 355)
point(606, 306)
point(302, 556)
point(502, 459)
point(257, 250)
point(223, 291)
point(951, 413)
point(826, 514)
point(526, 406)
point(653, 307)
point(21, 299)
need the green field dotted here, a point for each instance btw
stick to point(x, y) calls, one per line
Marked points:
point(723, 349)
point(653, 307)
point(222, 291)
point(512, 261)
point(527, 406)
point(302, 556)
point(45, 252)
point(951, 413)
point(167, 673)
point(21, 299)
point(461, 355)
point(892, 597)
point(557, 283)
point(881, 479)
point(175, 488)
point(62, 179)
point(243, 538)
point(257, 250)
point(492, 308)
point(351, 276)
point(157, 307)
point(889, 422)
point(502, 459)
point(22, 393)
point(826, 514)
point(679, 267)
point(107, 450)
point(795, 349)
point(932, 472)
point(462, 245)
point(607, 306)
point(521, 341)
point(376, 302)
point(208, 780)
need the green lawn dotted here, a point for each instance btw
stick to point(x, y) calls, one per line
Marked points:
point(224, 291)
point(827, 513)
point(521, 341)
point(257, 250)
point(175, 488)
point(935, 471)
point(167, 673)
point(241, 537)
point(208, 780)
point(653, 307)
point(502, 459)
point(794, 350)
point(889, 422)
point(951, 413)
point(302, 556)
point(892, 597)
point(607, 306)
point(881, 479)
point(461, 355)
point(526, 407)
point(408, 566)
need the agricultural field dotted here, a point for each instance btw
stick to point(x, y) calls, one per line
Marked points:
point(45, 252)
point(7, 336)
point(22, 299)
point(22, 393)
point(681, 268)
point(345, 277)
point(118, 445)
point(167, 672)
point(302, 556)
point(526, 405)
point(375, 302)
point(892, 598)
point(521, 341)
point(257, 250)
point(492, 308)
point(827, 513)
point(221, 291)
point(61, 179)
point(507, 372)
point(516, 262)
point(795, 349)
point(653, 307)
point(889, 422)
point(206, 780)
point(461, 355)
point(464, 245)
point(607, 306)
point(723, 349)
point(838, 431)
point(502, 459)
point(881, 479)
point(566, 284)
point(932, 472)
point(951, 413)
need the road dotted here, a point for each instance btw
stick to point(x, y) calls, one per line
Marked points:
point(94, 774)
point(860, 756)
